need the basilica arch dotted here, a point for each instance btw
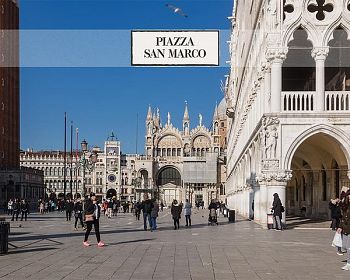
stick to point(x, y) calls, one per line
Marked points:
point(169, 183)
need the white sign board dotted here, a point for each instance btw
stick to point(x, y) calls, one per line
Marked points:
point(175, 48)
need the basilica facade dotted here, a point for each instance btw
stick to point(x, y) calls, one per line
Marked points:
point(187, 162)
point(288, 103)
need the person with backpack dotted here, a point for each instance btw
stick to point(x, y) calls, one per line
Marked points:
point(146, 207)
point(277, 209)
point(78, 214)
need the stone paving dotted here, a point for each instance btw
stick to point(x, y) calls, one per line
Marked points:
point(47, 247)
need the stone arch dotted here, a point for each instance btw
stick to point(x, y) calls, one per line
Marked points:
point(159, 172)
point(335, 133)
point(312, 34)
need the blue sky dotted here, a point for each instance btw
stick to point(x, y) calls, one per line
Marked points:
point(101, 99)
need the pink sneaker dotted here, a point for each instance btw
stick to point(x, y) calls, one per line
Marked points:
point(100, 244)
point(86, 244)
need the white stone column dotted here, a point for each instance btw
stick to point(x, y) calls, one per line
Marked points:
point(320, 55)
point(256, 203)
point(263, 204)
point(276, 57)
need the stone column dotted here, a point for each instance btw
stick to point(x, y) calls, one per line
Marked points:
point(320, 55)
point(278, 187)
point(267, 89)
point(276, 56)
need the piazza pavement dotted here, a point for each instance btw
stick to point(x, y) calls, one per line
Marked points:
point(47, 247)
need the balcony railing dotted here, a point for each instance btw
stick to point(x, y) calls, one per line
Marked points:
point(298, 100)
point(337, 100)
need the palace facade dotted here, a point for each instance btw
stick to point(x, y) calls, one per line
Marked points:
point(288, 103)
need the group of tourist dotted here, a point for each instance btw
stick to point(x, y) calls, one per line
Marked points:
point(17, 207)
point(340, 214)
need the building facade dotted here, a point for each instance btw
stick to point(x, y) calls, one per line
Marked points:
point(288, 106)
point(9, 85)
point(102, 178)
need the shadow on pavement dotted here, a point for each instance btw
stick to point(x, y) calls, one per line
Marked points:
point(296, 221)
point(130, 241)
point(17, 251)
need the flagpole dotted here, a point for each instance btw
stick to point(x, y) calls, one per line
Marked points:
point(64, 157)
point(76, 162)
point(71, 159)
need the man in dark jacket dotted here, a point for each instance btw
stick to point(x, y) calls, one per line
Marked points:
point(176, 210)
point(69, 205)
point(146, 207)
point(16, 208)
point(78, 214)
point(335, 213)
point(24, 209)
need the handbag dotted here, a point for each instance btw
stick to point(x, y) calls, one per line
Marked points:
point(89, 217)
point(337, 240)
point(282, 208)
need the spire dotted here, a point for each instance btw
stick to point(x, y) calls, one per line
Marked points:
point(149, 114)
point(216, 113)
point(186, 115)
point(169, 121)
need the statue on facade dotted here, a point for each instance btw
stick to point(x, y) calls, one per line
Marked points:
point(200, 119)
point(142, 181)
point(268, 137)
point(168, 122)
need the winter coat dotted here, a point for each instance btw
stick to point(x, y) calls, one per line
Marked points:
point(176, 210)
point(188, 209)
point(345, 219)
point(335, 210)
point(277, 207)
point(155, 210)
point(90, 208)
point(147, 206)
point(69, 206)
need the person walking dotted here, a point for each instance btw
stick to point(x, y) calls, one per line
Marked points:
point(154, 215)
point(344, 226)
point(69, 205)
point(188, 212)
point(24, 210)
point(16, 209)
point(277, 209)
point(9, 207)
point(137, 210)
point(109, 208)
point(146, 207)
point(78, 214)
point(176, 213)
point(92, 218)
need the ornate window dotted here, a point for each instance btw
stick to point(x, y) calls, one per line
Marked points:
point(320, 9)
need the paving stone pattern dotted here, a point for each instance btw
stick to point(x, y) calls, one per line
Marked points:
point(47, 247)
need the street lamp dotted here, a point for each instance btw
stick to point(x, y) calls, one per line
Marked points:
point(86, 162)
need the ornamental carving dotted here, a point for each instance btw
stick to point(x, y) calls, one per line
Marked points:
point(320, 8)
point(276, 54)
point(320, 53)
point(270, 164)
point(278, 175)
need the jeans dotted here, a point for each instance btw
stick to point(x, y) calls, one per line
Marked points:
point(278, 222)
point(188, 220)
point(147, 216)
point(24, 214)
point(15, 213)
point(78, 216)
point(153, 223)
point(176, 223)
point(96, 224)
point(68, 215)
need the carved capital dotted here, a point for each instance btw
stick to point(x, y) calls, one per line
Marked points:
point(320, 53)
point(276, 55)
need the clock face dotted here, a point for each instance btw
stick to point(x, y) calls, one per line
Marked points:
point(112, 178)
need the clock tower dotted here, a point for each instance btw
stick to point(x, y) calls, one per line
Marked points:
point(112, 164)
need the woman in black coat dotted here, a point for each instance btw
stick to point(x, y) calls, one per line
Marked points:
point(92, 217)
point(176, 210)
point(335, 213)
point(277, 211)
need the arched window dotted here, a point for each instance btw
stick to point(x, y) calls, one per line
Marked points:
point(169, 175)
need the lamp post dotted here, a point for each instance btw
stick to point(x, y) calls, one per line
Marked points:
point(87, 162)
